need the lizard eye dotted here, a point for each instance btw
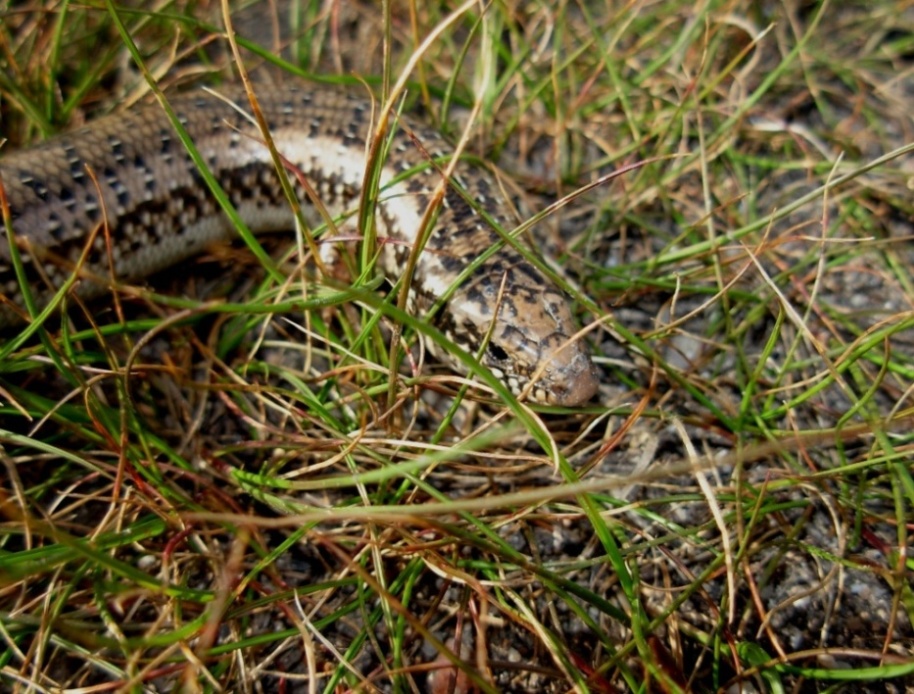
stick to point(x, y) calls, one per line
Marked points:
point(496, 352)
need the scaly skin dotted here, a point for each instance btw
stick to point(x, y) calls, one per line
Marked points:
point(160, 212)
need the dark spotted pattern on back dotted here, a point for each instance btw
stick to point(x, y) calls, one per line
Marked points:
point(160, 211)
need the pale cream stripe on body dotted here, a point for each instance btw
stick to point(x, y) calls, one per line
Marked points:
point(161, 212)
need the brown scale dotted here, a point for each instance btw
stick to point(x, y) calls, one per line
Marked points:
point(160, 212)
